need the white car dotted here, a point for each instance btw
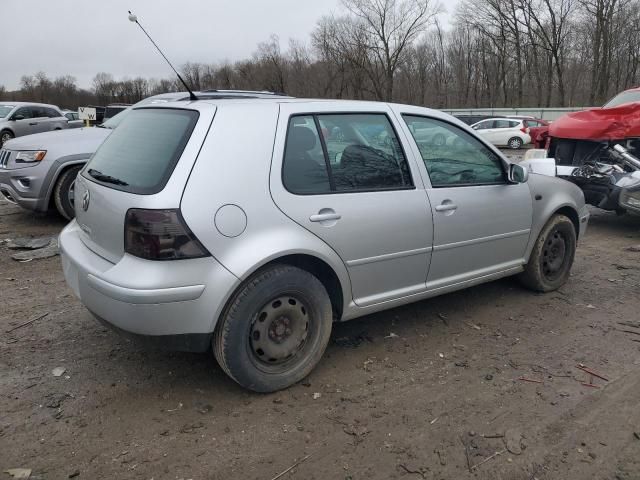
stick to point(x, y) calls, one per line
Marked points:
point(504, 132)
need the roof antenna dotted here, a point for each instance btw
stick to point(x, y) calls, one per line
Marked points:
point(133, 18)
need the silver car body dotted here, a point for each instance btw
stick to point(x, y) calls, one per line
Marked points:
point(377, 249)
point(74, 119)
point(38, 118)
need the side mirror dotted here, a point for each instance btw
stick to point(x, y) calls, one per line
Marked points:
point(18, 117)
point(518, 173)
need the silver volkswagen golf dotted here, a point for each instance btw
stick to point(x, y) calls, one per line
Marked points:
point(251, 225)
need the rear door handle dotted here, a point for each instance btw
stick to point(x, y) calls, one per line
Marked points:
point(446, 207)
point(324, 217)
point(32, 124)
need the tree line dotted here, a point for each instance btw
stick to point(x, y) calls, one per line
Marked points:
point(494, 53)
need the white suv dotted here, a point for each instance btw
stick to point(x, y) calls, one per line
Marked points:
point(504, 132)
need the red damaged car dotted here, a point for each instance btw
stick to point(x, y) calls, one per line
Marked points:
point(599, 150)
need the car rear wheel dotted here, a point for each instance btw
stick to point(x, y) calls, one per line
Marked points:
point(5, 136)
point(515, 143)
point(274, 330)
point(552, 256)
point(64, 192)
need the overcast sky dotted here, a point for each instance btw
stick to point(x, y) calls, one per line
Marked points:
point(84, 37)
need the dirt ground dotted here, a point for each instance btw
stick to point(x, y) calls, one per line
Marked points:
point(476, 384)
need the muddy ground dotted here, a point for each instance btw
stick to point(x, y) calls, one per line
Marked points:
point(477, 384)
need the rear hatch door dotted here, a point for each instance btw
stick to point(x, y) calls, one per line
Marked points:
point(145, 163)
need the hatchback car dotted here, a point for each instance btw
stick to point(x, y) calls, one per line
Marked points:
point(20, 118)
point(246, 226)
point(504, 132)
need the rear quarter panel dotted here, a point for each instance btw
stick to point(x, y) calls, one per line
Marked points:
point(233, 171)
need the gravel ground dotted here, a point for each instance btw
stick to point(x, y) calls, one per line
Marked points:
point(480, 384)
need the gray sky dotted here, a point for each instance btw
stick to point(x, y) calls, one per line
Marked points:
point(84, 37)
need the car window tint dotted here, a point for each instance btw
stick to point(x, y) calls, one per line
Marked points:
point(141, 156)
point(304, 169)
point(26, 112)
point(460, 161)
point(503, 124)
point(364, 152)
point(51, 113)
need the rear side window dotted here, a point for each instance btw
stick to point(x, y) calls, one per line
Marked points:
point(332, 153)
point(140, 155)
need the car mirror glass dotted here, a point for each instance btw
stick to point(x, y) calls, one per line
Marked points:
point(518, 173)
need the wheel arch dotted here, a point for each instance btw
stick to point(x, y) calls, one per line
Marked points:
point(55, 175)
point(305, 261)
point(572, 214)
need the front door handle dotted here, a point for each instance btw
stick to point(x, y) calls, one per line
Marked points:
point(325, 217)
point(446, 206)
point(33, 124)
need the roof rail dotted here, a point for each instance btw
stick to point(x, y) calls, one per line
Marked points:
point(264, 92)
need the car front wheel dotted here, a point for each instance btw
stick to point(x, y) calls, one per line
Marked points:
point(5, 136)
point(552, 257)
point(515, 143)
point(64, 192)
point(275, 329)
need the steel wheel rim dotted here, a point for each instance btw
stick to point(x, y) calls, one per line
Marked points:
point(279, 332)
point(554, 255)
point(515, 143)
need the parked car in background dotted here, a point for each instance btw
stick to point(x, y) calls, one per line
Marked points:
point(74, 119)
point(38, 172)
point(22, 118)
point(504, 132)
point(219, 223)
point(471, 119)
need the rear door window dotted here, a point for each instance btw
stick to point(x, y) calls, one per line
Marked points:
point(332, 153)
point(139, 157)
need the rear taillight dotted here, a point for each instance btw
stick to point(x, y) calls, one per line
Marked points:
point(160, 235)
point(524, 129)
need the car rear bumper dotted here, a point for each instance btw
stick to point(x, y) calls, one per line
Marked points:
point(178, 300)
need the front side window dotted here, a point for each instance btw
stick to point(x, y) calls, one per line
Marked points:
point(141, 156)
point(486, 125)
point(24, 112)
point(343, 153)
point(461, 160)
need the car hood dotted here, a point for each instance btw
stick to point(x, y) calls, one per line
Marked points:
point(77, 140)
point(615, 123)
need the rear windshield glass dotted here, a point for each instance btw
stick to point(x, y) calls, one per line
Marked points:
point(140, 155)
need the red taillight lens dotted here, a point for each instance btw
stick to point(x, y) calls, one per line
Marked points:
point(160, 235)
point(524, 129)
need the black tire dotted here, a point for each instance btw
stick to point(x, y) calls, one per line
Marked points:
point(552, 256)
point(515, 143)
point(64, 190)
point(275, 329)
point(5, 136)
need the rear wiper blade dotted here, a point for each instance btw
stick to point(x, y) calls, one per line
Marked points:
point(101, 177)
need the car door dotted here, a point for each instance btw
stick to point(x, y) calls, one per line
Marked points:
point(39, 120)
point(21, 121)
point(363, 198)
point(484, 129)
point(502, 131)
point(54, 119)
point(481, 221)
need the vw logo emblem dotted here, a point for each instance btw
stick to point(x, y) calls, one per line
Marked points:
point(85, 200)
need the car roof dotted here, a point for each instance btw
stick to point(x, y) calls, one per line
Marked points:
point(26, 104)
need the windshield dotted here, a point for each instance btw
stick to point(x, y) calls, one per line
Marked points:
point(622, 98)
point(5, 110)
point(140, 156)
